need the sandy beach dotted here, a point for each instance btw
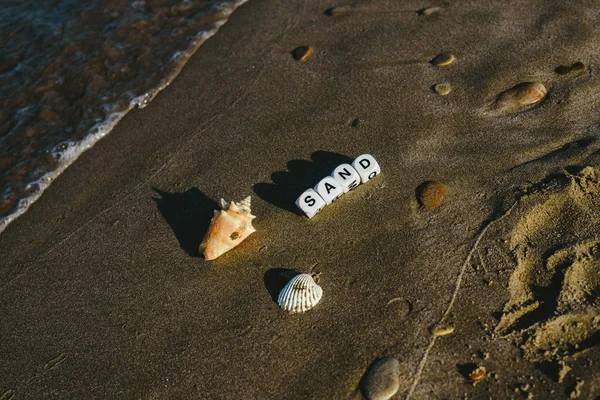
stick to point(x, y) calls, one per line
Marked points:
point(103, 293)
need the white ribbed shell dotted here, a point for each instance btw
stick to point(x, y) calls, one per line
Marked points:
point(300, 294)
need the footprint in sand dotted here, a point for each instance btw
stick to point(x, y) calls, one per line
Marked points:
point(554, 304)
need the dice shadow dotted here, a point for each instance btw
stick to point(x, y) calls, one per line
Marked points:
point(275, 279)
point(288, 185)
point(188, 214)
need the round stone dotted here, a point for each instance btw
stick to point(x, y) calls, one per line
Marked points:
point(520, 96)
point(442, 330)
point(337, 10)
point(443, 89)
point(381, 381)
point(443, 59)
point(431, 194)
point(428, 11)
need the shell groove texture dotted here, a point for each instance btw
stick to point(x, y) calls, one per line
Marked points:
point(300, 294)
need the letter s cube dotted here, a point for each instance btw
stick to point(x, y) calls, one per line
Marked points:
point(367, 167)
point(310, 203)
point(346, 176)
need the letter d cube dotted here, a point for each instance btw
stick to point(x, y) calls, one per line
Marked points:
point(367, 167)
point(310, 203)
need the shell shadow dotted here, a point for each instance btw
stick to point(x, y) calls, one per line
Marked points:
point(188, 214)
point(275, 279)
point(301, 175)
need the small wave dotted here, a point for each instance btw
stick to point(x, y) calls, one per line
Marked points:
point(64, 153)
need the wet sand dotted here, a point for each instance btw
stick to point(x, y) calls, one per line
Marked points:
point(103, 294)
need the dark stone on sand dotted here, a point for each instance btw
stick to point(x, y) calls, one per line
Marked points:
point(520, 96)
point(382, 380)
point(567, 69)
point(431, 194)
point(443, 60)
point(337, 10)
point(428, 11)
point(301, 53)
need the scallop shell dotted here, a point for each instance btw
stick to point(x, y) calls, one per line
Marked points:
point(300, 294)
point(228, 228)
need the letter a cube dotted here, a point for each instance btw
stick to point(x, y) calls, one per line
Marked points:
point(329, 189)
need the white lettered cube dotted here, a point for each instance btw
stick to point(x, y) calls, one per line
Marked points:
point(329, 189)
point(310, 203)
point(367, 167)
point(346, 176)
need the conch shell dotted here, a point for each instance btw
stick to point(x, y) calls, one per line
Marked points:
point(228, 228)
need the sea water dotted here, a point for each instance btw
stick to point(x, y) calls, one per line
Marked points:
point(71, 69)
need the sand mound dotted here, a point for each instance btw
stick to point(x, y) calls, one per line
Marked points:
point(554, 291)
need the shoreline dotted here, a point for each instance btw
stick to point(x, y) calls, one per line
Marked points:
point(66, 157)
point(103, 293)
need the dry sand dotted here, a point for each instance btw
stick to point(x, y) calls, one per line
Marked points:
point(103, 296)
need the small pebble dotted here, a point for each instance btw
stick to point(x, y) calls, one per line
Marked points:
point(443, 59)
point(477, 374)
point(443, 331)
point(337, 10)
point(519, 96)
point(432, 194)
point(381, 381)
point(301, 53)
point(566, 69)
point(443, 89)
point(428, 11)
